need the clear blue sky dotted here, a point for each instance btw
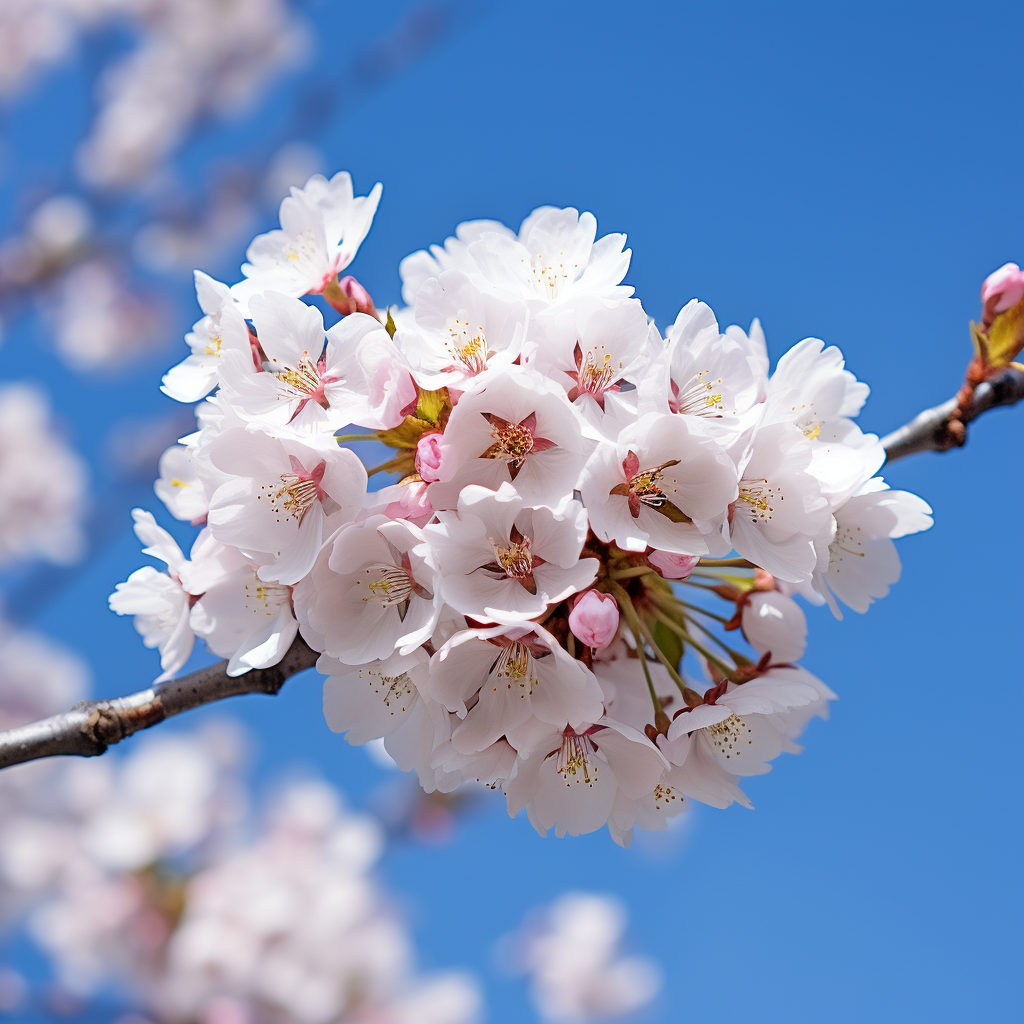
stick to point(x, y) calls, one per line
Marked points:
point(845, 171)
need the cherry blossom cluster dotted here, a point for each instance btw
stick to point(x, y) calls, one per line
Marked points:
point(578, 585)
point(191, 58)
point(140, 880)
point(42, 481)
point(572, 953)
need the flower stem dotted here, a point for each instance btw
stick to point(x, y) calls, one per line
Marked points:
point(625, 574)
point(647, 675)
point(354, 437)
point(697, 646)
point(669, 603)
point(641, 632)
point(734, 563)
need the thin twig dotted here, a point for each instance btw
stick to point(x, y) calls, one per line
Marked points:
point(929, 432)
point(93, 725)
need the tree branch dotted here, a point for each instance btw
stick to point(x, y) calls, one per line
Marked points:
point(93, 725)
point(930, 431)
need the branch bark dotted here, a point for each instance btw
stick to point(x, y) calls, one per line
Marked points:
point(930, 431)
point(92, 726)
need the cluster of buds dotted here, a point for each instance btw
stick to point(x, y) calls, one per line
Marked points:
point(535, 599)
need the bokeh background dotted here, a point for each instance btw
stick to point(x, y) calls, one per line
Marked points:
point(848, 171)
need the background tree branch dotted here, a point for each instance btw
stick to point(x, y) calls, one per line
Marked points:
point(93, 725)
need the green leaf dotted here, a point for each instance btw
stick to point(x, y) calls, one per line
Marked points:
point(406, 434)
point(391, 326)
point(431, 404)
point(670, 643)
point(1006, 336)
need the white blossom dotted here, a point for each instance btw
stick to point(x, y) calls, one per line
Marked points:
point(576, 967)
point(322, 227)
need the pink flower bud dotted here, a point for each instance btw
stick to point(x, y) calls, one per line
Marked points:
point(672, 567)
point(428, 457)
point(1002, 289)
point(348, 296)
point(594, 619)
point(358, 296)
point(413, 505)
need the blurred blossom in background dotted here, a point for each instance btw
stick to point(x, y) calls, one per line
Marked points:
point(822, 163)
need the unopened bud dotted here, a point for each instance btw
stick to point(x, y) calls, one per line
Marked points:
point(594, 619)
point(672, 567)
point(349, 296)
point(428, 457)
point(1002, 289)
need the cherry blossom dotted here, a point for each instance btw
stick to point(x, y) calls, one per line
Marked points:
point(359, 377)
point(657, 486)
point(322, 227)
point(862, 560)
point(577, 970)
point(514, 429)
point(505, 563)
point(221, 330)
point(497, 679)
point(371, 591)
point(283, 500)
point(461, 332)
point(156, 599)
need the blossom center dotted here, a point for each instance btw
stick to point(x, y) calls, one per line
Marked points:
point(597, 372)
point(665, 795)
point(550, 273)
point(728, 736)
point(293, 498)
point(388, 584)
point(756, 499)
point(846, 542)
point(644, 487)
point(701, 397)
point(305, 378)
point(516, 560)
point(512, 443)
point(214, 346)
point(265, 598)
point(397, 692)
point(574, 763)
point(468, 345)
point(304, 251)
point(515, 666)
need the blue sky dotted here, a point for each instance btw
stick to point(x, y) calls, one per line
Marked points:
point(843, 171)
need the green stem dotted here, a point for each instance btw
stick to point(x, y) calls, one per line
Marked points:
point(676, 628)
point(625, 574)
point(694, 608)
point(641, 633)
point(734, 563)
point(354, 437)
point(647, 674)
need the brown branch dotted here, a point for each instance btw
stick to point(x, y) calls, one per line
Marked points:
point(93, 725)
point(935, 430)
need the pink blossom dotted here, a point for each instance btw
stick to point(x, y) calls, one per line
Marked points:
point(1002, 289)
point(428, 457)
point(413, 504)
point(672, 567)
point(595, 619)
